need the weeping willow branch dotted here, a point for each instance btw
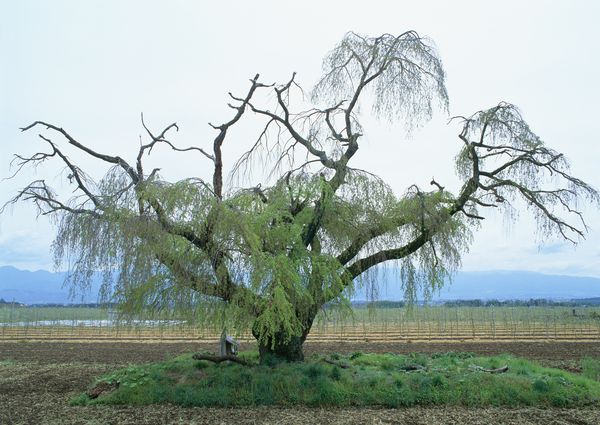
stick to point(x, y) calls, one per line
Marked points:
point(270, 255)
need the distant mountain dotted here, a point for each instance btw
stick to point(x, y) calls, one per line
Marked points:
point(45, 287)
point(40, 287)
point(503, 285)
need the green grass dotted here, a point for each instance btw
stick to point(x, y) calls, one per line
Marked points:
point(591, 368)
point(370, 379)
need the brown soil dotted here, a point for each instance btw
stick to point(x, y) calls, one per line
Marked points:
point(117, 352)
point(37, 380)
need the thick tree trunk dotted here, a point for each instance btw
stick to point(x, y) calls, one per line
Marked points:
point(290, 350)
point(284, 348)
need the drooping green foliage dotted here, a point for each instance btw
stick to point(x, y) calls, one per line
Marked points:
point(517, 164)
point(407, 74)
point(269, 258)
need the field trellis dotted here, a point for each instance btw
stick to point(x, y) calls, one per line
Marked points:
point(368, 325)
point(462, 323)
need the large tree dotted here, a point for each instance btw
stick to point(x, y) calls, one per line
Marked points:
point(272, 255)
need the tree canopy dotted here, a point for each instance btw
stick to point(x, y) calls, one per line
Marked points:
point(273, 256)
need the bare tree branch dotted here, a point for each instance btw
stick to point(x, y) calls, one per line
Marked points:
point(107, 158)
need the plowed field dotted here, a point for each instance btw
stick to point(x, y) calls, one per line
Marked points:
point(37, 379)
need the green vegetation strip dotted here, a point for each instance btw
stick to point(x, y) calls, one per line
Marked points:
point(355, 380)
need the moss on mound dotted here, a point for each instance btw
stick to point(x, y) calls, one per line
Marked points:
point(356, 380)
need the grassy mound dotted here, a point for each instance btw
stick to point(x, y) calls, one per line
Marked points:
point(355, 380)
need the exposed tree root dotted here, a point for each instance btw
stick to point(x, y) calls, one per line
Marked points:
point(219, 359)
point(482, 369)
point(412, 368)
point(338, 364)
point(102, 388)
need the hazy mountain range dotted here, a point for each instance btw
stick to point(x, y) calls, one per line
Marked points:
point(503, 285)
point(42, 286)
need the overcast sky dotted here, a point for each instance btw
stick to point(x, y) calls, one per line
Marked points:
point(93, 66)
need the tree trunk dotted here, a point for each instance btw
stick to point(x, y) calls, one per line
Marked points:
point(285, 348)
point(289, 351)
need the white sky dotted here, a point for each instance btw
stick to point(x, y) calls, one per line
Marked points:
point(92, 67)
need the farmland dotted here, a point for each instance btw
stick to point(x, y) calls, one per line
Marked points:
point(434, 323)
point(38, 379)
point(49, 355)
